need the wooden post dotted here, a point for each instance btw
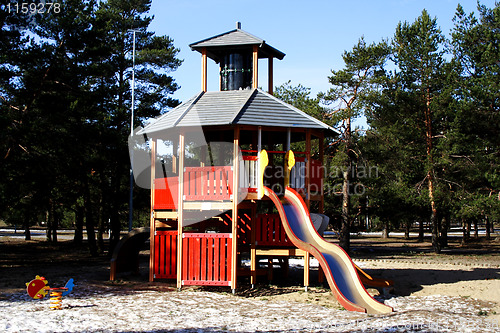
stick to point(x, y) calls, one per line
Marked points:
point(253, 247)
point(270, 76)
point(321, 210)
point(307, 257)
point(255, 78)
point(322, 176)
point(288, 138)
point(259, 139)
point(175, 151)
point(180, 210)
point(204, 69)
point(203, 155)
point(308, 169)
point(152, 217)
point(236, 164)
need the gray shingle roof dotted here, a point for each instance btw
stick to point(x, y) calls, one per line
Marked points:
point(236, 38)
point(244, 107)
point(265, 109)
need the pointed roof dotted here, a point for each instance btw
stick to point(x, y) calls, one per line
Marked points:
point(235, 39)
point(244, 107)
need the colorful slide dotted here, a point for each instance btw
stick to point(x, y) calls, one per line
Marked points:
point(340, 271)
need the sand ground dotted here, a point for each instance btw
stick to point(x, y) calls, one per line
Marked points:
point(457, 291)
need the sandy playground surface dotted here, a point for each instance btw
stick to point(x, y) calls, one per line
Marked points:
point(432, 294)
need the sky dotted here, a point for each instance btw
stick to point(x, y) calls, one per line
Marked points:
point(313, 34)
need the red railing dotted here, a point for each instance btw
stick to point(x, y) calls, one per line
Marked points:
point(206, 259)
point(165, 256)
point(269, 231)
point(215, 183)
point(208, 183)
point(317, 174)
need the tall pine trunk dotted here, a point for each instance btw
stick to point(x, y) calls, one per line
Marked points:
point(385, 231)
point(90, 221)
point(345, 229)
point(345, 236)
point(115, 223)
point(79, 218)
point(49, 216)
point(445, 225)
point(468, 228)
point(27, 231)
point(488, 229)
point(420, 231)
point(100, 222)
point(430, 175)
point(464, 232)
point(407, 230)
point(55, 226)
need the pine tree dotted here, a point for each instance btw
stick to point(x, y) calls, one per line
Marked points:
point(418, 53)
point(474, 133)
point(70, 110)
point(350, 85)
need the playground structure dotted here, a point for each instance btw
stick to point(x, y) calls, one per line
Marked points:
point(233, 174)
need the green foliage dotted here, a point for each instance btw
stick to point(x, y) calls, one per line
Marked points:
point(351, 87)
point(439, 119)
point(299, 96)
point(363, 65)
point(474, 136)
point(67, 108)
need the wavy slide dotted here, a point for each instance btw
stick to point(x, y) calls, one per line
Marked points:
point(338, 267)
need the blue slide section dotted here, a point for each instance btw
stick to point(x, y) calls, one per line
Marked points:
point(338, 267)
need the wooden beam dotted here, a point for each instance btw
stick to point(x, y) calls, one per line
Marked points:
point(236, 164)
point(208, 205)
point(165, 215)
point(152, 218)
point(204, 69)
point(171, 224)
point(180, 209)
point(281, 252)
point(270, 76)
point(255, 78)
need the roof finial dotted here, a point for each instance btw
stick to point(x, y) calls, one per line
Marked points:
point(238, 25)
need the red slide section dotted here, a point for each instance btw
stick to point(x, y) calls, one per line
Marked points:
point(338, 267)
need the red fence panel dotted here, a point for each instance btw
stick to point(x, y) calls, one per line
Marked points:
point(207, 258)
point(317, 174)
point(165, 256)
point(208, 183)
point(270, 231)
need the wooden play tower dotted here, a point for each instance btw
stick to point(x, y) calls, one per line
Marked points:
point(208, 208)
